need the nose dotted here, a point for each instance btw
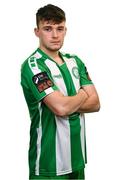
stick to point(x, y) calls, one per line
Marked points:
point(54, 33)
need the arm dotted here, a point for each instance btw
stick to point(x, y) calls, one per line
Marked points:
point(91, 104)
point(64, 105)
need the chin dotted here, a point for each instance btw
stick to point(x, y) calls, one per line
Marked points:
point(55, 48)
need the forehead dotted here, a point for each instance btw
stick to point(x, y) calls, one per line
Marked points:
point(51, 23)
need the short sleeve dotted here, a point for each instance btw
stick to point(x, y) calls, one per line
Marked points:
point(37, 85)
point(83, 72)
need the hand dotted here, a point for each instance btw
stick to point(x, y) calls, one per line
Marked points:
point(83, 93)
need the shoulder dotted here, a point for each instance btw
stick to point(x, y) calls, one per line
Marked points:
point(72, 56)
point(30, 61)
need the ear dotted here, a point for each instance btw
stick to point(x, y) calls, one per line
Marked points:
point(36, 31)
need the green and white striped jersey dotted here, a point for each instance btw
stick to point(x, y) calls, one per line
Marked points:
point(57, 144)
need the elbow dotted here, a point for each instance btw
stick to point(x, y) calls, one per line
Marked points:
point(96, 104)
point(97, 107)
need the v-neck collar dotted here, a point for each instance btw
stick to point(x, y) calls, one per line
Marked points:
point(48, 57)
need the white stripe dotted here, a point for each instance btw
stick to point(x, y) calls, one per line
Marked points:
point(55, 72)
point(39, 136)
point(82, 133)
point(36, 70)
point(63, 147)
point(49, 90)
point(37, 55)
point(71, 63)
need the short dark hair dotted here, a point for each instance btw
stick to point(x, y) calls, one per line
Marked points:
point(50, 13)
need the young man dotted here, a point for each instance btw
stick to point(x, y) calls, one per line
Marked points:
point(58, 90)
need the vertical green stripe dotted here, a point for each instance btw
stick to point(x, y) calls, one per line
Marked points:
point(63, 155)
point(32, 150)
point(48, 148)
point(74, 120)
point(76, 149)
point(68, 80)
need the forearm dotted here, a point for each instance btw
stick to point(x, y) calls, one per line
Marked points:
point(72, 103)
point(64, 105)
point(90, 105)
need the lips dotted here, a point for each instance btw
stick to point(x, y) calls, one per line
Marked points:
point(55, 42)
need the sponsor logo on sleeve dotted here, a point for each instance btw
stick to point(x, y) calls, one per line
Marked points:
point(42, 81)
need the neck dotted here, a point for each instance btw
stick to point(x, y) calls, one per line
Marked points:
point(52, 54)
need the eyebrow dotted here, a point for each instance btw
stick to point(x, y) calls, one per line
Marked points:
point(61, 26)
point(48, 26)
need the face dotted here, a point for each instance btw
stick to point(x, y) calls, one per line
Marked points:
point(51, 36)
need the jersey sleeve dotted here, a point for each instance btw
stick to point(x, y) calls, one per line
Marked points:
point(38, 84)
point(83, 72)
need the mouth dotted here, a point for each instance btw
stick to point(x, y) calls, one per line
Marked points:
point(55, 42)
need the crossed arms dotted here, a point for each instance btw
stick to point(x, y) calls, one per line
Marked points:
point(85, 101)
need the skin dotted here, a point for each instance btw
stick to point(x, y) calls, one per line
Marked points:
point(51, 37)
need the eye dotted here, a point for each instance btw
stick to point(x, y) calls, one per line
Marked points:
point(60, 29)
point(48, 29)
